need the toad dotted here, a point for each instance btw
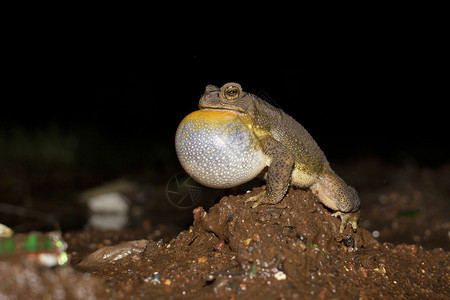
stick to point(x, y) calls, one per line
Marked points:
point(236, 135)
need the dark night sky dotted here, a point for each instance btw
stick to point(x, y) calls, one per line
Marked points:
point(377, 94)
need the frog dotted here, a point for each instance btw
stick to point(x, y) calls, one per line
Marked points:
point(236, 136)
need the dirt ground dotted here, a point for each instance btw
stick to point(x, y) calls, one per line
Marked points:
point(292, 250)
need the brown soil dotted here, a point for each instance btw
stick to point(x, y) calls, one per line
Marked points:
point(292, 250)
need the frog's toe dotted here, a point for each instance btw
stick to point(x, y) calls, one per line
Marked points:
point(347, 218)
point(258, 199)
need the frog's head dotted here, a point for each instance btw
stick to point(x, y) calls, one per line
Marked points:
point(229, 97)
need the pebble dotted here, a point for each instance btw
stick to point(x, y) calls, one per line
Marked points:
point(280, 275)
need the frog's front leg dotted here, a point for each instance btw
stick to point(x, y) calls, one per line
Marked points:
point(278, 175)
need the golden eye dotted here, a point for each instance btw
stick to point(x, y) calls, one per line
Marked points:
point(231, 91)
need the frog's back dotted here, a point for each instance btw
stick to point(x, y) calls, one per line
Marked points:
point(310, 161)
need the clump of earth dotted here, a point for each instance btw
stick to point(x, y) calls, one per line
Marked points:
point(291, 250)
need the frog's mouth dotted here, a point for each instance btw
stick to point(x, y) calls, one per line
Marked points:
point(233, 110)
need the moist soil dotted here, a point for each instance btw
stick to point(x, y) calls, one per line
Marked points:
point(291, 250)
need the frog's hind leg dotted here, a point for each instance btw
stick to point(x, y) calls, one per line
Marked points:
point(334, 193)
point(278, 175)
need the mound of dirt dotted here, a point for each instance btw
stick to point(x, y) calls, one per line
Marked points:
point(289, 250)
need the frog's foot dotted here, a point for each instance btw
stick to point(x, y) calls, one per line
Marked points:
point(347, 218)
point(258, 199)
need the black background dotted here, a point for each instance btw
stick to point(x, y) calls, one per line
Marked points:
point(372, 93)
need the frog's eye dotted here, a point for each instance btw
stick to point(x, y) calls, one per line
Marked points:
point(231, 91)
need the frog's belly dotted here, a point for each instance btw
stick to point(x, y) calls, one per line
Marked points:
point(302, 179)
point(217, 149)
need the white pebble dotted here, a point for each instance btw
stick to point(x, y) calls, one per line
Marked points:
point(280, 275)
